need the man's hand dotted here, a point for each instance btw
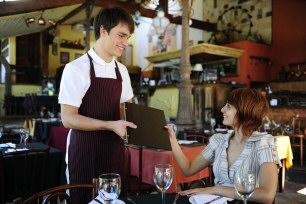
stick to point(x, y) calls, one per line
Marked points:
point(119, 127)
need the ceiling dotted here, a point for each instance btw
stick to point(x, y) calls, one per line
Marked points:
point(13, 14)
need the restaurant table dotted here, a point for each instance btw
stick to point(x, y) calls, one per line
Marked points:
point(58, 138)
point(55, 169)
point(156, 198)
point(153, 156)
point(286, 156)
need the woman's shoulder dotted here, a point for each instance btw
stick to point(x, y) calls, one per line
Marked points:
point(262, 140)
point(221, 137)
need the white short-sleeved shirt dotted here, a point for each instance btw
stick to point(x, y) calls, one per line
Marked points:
point(258, 150)
point(76, 79)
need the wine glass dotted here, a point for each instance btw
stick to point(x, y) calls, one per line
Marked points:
point(24, 136)
point(244, 180)
point(163, 176)
point(109, 187)
point(1, 130)
point(212, 123)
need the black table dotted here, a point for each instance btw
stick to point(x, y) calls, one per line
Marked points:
point(156, 198)
point(55, 170)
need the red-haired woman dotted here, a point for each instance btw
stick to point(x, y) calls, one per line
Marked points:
point(245, 148)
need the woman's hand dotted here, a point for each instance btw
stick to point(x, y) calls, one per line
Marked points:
point(196, 191)
point(171, 133)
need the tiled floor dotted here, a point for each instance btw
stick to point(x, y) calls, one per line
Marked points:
point(295, 181)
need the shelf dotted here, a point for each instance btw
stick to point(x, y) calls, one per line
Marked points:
point(72, 46)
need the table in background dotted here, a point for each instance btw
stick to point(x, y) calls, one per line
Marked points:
point(286, 156)
point(151, 157)
point(58, 138)
point(55, 169)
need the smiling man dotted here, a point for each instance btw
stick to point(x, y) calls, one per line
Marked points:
point(92, 88)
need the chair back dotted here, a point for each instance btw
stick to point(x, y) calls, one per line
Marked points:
point(196, 134)
point(134, 184)
point(194, 131)
point(52, 194)
point(22, 172)
point(129, 166)
point(200, 138)
point(298, 125)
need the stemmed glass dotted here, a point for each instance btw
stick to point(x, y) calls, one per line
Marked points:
point(109, 187)
point(245, 180)
point(163, 176)
point(24, 136)
point(212, 123)
point(1, 130)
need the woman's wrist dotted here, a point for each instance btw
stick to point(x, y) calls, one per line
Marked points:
point(216, 190)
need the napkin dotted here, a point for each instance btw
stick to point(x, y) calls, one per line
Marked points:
point(221, 129)
point(15, 150)
point(204, 198)
point(9, 144)
point(187, 141)
point(95, 202)
point(206, 131)
point(101, 201)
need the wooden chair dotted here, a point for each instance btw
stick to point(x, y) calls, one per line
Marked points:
point(200, 138)
point(23, 174)
point(298, 131)
point(196, 134)
point(135, 185)
point(53, 194)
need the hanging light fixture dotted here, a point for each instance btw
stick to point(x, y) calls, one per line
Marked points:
point(41, 21)
point(160, 23)
point(197, 67)
point(52, 22)
point(30, 20)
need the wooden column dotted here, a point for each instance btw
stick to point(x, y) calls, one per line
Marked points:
point(87, 27)
point(184, 113)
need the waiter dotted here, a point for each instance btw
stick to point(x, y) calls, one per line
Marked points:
point(92, 88)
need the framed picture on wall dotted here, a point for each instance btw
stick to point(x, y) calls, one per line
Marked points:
point(77, 55)
point(64, 57)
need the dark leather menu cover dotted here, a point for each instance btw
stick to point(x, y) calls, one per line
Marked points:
point(150, 129)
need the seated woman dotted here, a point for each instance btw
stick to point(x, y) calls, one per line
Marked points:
point(245, 148)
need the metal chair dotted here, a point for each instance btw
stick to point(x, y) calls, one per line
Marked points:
point(52, 194)
point(22, 173)
point(135, 185)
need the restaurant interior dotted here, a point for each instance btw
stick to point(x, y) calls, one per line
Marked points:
point(181, 60)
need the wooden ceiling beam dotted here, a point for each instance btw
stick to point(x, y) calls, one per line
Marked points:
point(18, 7)
point(72, 13)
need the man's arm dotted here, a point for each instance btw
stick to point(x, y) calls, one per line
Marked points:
point(71, 119)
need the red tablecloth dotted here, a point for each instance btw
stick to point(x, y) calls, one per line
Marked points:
point(58, 138)
point(151, 157)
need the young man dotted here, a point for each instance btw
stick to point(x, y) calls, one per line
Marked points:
point(92, 88)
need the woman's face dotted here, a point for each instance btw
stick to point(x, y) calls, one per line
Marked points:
point(229, 113)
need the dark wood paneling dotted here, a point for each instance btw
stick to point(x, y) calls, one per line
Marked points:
point(28, 50)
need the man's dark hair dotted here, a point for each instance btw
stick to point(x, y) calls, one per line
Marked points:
point(111, 17)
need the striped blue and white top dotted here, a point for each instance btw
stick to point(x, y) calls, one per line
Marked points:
point(259, 149)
